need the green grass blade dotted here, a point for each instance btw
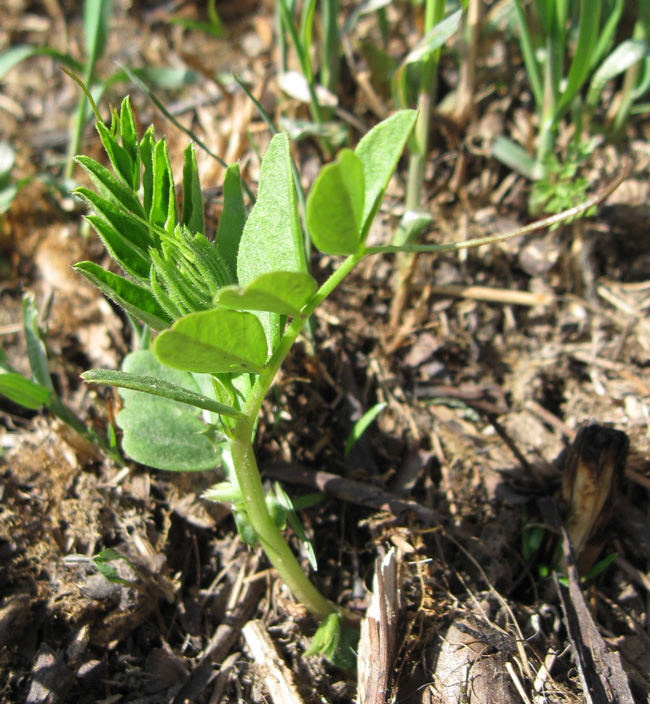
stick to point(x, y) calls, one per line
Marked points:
point(363, 8)
point(97, 16)
point(529, 55)
point(35, 345)
point(589, 24)
point(330, 70)
point(23, 391)
point(361, 426)
point(623, 57)
point(515, 157)
point(607, 34)
point(434, 39)
point(306, 34)
point(302, 52)
point(12, 57)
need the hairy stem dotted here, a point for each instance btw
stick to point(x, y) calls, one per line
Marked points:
point(248, 475)
point(272, 540)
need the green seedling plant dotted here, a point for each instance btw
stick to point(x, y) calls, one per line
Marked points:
point(361, 426)
point(535, 536)
point(227, 312)
point(321, 77)
point(571, 88)
point(213, 26)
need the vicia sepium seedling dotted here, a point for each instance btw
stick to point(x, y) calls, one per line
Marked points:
point(228, 311)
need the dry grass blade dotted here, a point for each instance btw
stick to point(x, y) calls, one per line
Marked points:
point(494, 295)
point(565, 215)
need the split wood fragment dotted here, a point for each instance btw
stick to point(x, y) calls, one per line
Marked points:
point(276, 675)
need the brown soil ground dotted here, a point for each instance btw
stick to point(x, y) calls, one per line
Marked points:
point(499, 357)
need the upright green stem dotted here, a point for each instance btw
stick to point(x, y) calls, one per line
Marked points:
point(631, 80)
point(469, 36)
point(553, 71)
point(419, 149)
point(435, 11)
point(245, 465)
point(274, 544)
point(545, 144)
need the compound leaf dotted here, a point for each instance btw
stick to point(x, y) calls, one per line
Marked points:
point(233, 218)
point(192, 216)
point(109, 186)
point(379, 152)
point(272, 237)
point(156, 387)
point(123, 164)
point(129, 136)
point(135, 299)
point(163, 206)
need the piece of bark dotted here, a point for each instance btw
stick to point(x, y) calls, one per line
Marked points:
point(277, 677)
point(593, 469)
point(471, 665)
point(15, 614)
point(51, 679)
point(601, 673)
point(378, 634)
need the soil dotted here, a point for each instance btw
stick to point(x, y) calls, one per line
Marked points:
point(501, 356)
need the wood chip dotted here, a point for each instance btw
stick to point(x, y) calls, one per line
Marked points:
point(271, 668)
point(378, 634)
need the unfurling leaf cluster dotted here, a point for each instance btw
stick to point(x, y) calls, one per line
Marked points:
point(173, 268)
